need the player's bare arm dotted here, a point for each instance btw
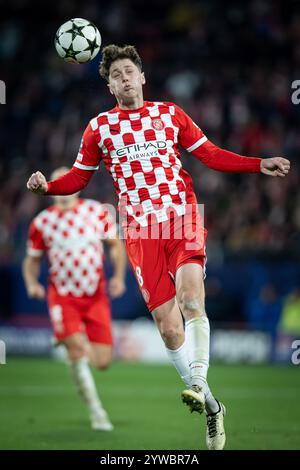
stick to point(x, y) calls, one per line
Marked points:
point(116, 284)
point(31, 272)
point(69, 183)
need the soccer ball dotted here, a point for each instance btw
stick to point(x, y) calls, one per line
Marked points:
point(77, 41)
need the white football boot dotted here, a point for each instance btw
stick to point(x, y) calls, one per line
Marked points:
point(194, 398)
point(215, 432)
point(100, 421)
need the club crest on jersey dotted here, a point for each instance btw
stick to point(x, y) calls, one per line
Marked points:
point(157, 124)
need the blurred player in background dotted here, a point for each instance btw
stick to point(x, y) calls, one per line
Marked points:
point(70, 232)
point(138, 142)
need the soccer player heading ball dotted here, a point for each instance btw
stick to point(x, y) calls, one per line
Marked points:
point(138, 142)
point(72, 232)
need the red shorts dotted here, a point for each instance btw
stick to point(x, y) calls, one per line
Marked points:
point(155, 260)
point(89, 315)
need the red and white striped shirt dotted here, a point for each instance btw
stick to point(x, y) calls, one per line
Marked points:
point(140, 150)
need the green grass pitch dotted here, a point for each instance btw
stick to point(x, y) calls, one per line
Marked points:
point(39, 408)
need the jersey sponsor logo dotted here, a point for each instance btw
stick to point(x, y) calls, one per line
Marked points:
point(146, 150)
point(157, 124)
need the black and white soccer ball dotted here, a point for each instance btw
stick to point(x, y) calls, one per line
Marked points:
point(77, 41)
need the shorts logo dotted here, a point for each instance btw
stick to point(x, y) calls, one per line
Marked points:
point(157, 124)
point(146, 295)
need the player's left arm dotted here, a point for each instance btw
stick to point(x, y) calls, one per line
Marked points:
point(192, 138)
point(117, 254)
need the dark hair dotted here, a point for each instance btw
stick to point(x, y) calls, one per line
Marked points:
point(112, 52)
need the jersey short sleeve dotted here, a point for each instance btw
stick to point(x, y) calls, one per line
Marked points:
point(35, 243)
point(89, 154)
point(190, 136)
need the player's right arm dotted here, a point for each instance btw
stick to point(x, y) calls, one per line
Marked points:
point(87, 162)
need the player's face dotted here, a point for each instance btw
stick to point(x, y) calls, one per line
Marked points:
point(65, 202)
point(126, 81)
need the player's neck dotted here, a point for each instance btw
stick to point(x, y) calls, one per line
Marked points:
point(136, 103)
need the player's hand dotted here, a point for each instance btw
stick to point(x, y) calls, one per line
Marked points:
point(276, 166)
point(116, 287)
point(36, 291)
point(37, 183)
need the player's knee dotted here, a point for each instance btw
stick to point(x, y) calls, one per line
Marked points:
point(171, 334)
point(75, 355)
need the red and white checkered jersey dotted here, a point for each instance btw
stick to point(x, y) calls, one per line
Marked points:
point(72, 241)
point(140, 149)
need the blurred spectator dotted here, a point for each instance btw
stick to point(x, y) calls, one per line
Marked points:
point(264, 312)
